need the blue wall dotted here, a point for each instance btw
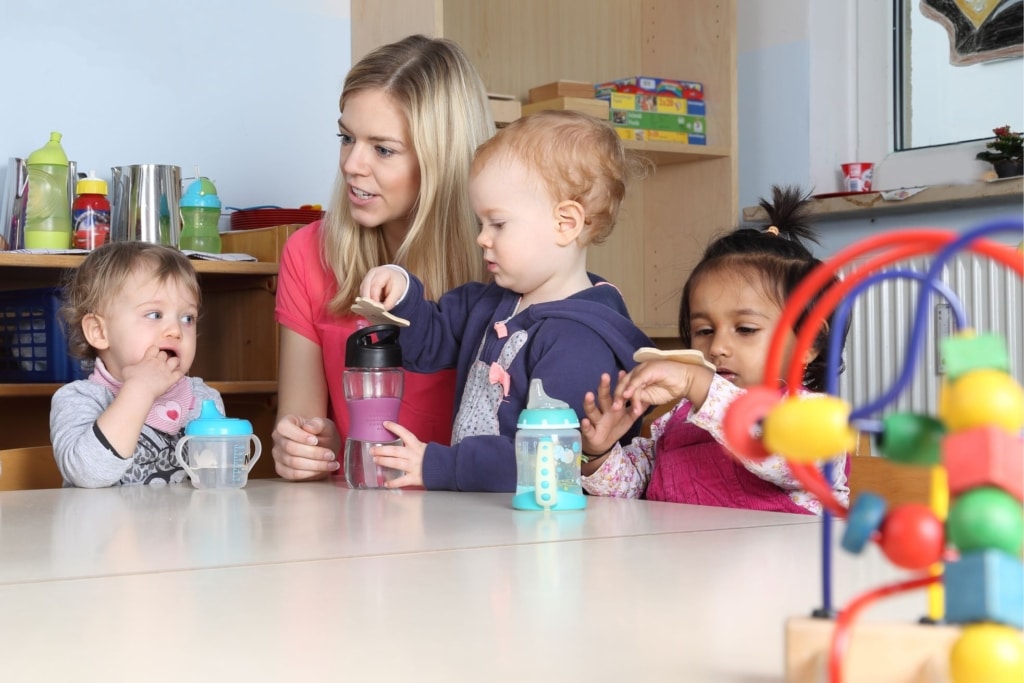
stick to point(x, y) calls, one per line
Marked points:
point(774, 112)
point(249, 92)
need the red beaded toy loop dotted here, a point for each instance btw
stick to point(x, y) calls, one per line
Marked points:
point(743, 415)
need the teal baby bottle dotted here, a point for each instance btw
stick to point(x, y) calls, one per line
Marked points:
point(548, 450)
point(200, 213)
point(48, 212)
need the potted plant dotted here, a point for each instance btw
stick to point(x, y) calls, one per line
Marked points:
point(1005, 152)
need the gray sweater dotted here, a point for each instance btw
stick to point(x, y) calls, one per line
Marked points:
point(85, 458)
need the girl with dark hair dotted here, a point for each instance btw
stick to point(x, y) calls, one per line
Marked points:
point(730, 306)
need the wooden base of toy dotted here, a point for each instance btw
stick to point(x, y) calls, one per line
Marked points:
point(877, 653)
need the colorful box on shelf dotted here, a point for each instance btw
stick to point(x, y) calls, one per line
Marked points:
point(598, 108)
point(549, 91)
point(648, 85)
point(640, 135)
point(655, 103)
point(676, 123)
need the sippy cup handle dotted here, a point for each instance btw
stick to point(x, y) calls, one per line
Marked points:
point(257, 448)
point(181, 458)
point(546, 479)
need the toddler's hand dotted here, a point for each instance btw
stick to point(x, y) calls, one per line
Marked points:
point(384, 284)
point(406, 458)
point(608, 417)
point(157, 372)
point(663, 381)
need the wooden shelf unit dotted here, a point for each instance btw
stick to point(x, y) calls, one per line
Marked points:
point(238, 338)
point(667, 218)
point(932, 198)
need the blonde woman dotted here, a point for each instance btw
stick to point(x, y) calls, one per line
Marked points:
point(412, 114)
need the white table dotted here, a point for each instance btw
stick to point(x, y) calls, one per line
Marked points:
point(309, 582)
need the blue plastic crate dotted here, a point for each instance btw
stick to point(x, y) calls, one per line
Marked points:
point(33, 346)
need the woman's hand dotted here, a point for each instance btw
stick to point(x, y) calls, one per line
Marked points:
point(305, 449)
point(407, 458)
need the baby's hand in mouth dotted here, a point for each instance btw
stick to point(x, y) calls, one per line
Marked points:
point(171, 353)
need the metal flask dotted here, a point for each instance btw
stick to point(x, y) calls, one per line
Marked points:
point(144, 203)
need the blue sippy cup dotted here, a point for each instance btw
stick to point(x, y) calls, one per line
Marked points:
point(218, 449)
point(548, 450)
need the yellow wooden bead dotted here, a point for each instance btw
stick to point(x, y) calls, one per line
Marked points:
point(809, 428)
point(983, 398)
point(942, 409)
point(988, 653)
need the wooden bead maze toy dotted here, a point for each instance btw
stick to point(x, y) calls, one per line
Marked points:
point(964, 547)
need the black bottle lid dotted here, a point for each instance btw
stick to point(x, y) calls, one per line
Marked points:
point(374, 347)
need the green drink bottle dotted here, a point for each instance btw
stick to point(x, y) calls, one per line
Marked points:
point(48, 213)
point(200, 212)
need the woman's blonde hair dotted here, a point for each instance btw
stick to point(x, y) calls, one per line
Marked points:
point(445, 104)
point(103, 274)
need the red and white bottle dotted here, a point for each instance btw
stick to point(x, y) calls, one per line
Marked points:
point(90, 213)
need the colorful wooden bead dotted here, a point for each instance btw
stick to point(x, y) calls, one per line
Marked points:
point(984, 397)
point(912, 439)
point(986, 517)
point(912, 536)
point(809, 428)
point(864, 518)
point(985, 585)
point(966, 351)
point(984, 456)
point(988, 653)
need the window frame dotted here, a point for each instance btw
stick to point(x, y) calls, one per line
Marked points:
point(853, 109)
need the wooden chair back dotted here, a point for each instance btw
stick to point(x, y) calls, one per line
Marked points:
point(29, 468)
point(897, 483)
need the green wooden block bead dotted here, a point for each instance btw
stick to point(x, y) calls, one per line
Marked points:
point(961, 354)
point(986, 517)
point(911, 439)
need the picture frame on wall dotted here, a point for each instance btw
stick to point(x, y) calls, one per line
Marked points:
point(979, 30)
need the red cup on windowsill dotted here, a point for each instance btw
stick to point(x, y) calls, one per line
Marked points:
point(857, 177)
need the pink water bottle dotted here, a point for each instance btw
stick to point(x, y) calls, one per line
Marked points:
point(373, 383)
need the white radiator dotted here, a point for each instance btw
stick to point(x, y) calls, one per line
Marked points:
point(992, 296)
